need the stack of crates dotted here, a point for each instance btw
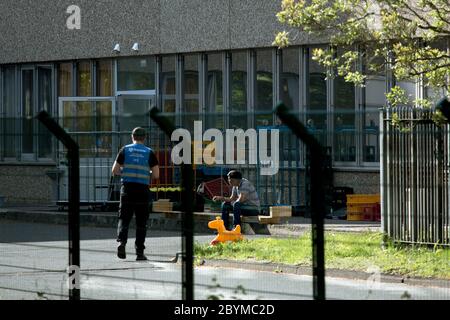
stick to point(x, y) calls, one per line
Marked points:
point(363, 207)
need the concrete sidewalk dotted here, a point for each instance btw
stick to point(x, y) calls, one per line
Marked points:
point(35, 258)
point(88, 218)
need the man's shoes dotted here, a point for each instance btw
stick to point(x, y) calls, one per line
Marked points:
point(121, 253)
point(140, 256)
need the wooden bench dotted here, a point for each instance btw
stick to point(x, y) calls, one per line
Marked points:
point(277, 214)
point(250, 224)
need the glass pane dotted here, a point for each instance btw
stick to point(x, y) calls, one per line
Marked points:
point(375, 99)
point(136, 73)
point(190, 111)
point(214, 96)
point(290, 78)
point(316, 114)
point(10, 125)
point(45, 103)
point(168, 88)
point(68, 116)
point(134, 113)
point(65, 79)
point(84, 79)
point(84, 126)
point(103, 137)
point(264, 88)
point(27, 111)
point(238, 103)
point(104, 78)
point(344, 120)
point(90, 123)
point(434, 93)
point(410, 88)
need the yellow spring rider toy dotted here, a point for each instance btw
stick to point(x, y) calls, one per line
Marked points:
point(224, 235)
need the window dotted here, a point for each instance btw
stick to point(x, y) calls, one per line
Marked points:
point(65, 79)
point(410, 88)
point(27, 111)
point(344, 121)
point(289, 79)
point(238, 94)
point(104, 78)
point(10, 121)
point(45, 102)
point(437, 93)
point(214, 92)
point(84, 79)
point(168, 86)
point(88, 121)
point(137, 73)
point(374, 99)
point(190, 105)
point(264, 88)
point(316, 108)
point(289, 93)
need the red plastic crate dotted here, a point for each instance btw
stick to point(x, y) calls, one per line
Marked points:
point(217, 187)
point(372, 212)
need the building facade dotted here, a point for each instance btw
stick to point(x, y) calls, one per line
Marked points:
point(99, 66)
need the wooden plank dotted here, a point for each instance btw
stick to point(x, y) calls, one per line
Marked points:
point(280, 211)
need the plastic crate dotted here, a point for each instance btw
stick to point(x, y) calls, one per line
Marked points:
point(217, 187)
point(364, 212)
point(355, 216)
point(372, 212)
point(363, 198)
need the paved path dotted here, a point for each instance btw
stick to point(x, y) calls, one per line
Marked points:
point(34, 258)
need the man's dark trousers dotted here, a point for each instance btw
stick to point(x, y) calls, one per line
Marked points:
point(134, 198)
point(238, 209)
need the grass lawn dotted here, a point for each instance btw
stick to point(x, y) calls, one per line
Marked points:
point(343, 250)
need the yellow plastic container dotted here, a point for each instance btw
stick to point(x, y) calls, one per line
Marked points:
point(357, 203)
point(355, 216)
point(363, 198)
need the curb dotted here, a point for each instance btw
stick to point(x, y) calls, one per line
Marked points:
point(333, 273)
point(159, 221)
point(156, 221)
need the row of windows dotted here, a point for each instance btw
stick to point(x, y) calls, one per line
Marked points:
point(225, 89)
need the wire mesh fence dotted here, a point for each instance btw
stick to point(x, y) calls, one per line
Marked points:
point(34, 255)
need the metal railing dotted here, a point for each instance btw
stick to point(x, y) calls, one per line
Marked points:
point(415, 172)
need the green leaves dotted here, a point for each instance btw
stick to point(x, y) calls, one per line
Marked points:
point(410, 35)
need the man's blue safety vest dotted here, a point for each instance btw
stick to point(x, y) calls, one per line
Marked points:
point(135, 167)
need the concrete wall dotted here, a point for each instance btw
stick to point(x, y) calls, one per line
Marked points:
point(363, 182)
point(27, 184)
point(34, 31)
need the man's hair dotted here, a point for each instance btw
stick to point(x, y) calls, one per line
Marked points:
point(139, 133)
point(234, 174)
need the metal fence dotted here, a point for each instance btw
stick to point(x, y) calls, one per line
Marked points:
point(415, 177)
point(98, 148)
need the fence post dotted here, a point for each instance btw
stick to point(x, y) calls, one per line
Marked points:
point(187, 220)
point(74, 198)
point(317, 197)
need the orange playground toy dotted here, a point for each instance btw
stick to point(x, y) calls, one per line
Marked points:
point(223, 234)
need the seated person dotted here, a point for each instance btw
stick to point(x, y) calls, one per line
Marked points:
point(244, 199)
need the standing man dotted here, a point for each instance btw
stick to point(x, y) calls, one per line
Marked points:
point(244, 199)
point(137, 164)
